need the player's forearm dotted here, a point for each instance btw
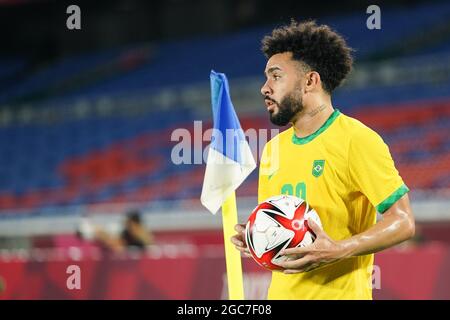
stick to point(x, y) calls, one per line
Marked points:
point(396, 226)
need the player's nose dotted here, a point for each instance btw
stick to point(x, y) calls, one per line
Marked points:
point(266, 90)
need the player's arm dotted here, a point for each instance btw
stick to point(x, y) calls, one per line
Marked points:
point(396, 226)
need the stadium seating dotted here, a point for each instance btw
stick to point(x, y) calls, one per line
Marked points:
point(125, 159)
point(111, 164)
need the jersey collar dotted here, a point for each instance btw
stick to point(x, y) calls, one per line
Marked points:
point(305, 140)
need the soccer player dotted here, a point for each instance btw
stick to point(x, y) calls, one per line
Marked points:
point(339, 165)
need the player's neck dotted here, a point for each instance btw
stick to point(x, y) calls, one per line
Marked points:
point(310, 120)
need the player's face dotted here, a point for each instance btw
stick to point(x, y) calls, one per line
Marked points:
point(282, 91)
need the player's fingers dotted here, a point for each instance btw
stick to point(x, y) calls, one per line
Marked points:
point(239, 228)
point(237, 241)
point(243, 250)
point(295, 264)
point(315, 227)
point(294, 251)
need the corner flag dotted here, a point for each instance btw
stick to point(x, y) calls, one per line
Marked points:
point(230, 161)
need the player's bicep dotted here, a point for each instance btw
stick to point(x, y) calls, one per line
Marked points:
point(401, 208)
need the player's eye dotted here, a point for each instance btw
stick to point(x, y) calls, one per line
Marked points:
point(276, 77)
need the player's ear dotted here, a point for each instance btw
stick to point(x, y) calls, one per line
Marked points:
point(312, 81)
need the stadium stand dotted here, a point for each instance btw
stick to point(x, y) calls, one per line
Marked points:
point(112, 158)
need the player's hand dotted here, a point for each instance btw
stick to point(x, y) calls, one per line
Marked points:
point(239, 240)
point(322, 251)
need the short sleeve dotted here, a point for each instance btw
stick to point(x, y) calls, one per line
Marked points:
point(372, 170)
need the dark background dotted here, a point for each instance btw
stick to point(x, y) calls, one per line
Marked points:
point(37, 29)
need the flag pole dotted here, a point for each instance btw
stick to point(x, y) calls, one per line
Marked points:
point(232, 256)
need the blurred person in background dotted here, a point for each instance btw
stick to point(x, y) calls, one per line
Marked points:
point(133, 236)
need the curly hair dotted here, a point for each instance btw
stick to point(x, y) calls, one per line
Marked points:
point(318, 46)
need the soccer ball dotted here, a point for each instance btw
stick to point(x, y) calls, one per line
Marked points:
point(278, 223)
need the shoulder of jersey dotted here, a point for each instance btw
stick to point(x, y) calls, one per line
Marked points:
point(353, 126)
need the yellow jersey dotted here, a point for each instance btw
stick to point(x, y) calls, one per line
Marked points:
point(346, 173)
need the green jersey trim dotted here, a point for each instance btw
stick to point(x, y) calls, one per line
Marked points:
point(304, 140)
point(397, 194)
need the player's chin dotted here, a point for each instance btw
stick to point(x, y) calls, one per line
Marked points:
point(273, 113)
